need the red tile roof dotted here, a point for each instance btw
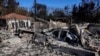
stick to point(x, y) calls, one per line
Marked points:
point(15, 16)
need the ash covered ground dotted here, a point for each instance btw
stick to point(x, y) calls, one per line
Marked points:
point(12, 45)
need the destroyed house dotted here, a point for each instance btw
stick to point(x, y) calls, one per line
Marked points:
point(15, 21)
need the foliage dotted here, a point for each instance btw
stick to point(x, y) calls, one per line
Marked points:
point(21, 11)
point(41, 10)
point(2, 7)
point(85, 12)
point(58, 13)
point(11, 6)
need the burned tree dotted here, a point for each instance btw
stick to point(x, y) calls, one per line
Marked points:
point(11, 6)
point(41, 10)
point(21, 11)
point(83, 12)
point(3, 4)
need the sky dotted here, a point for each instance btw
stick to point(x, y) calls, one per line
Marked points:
point(50, 3)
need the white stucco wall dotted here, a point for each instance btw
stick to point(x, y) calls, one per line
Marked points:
point(13, 21)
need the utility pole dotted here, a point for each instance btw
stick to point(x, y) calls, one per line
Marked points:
point(34, 14)
point(35, 9)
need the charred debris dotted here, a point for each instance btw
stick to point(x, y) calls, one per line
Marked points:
point(82, 38)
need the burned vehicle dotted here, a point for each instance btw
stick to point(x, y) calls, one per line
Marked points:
point(87, 37)
point(62, 35)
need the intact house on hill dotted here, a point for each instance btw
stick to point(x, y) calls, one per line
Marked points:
point(15, 21)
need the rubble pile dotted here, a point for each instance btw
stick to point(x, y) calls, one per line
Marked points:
point(5, 35)
point(95, 44)
point(73, 41)
point(18, 47)
point(91, 41)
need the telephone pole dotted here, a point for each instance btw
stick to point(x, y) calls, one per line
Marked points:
point(34, 16)
point(34, 9)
